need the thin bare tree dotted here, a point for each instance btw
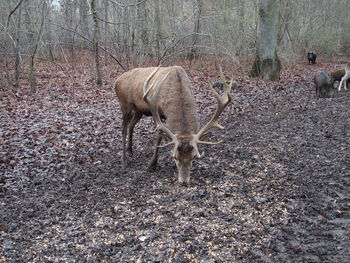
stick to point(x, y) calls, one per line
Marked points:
point(95, 42)
point(17, 45)
point(45, 9)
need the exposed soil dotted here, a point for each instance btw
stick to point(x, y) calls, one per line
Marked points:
point(277, 190)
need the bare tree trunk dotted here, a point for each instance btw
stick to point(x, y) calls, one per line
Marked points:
point(197, 8)
point(17, 47)
point(32, 69)
point(158, 28)
point(50, 41)
point(69, 16)
point(95, 42)
point(242, 46)
point(7, 83)
point(28, 10)
point(126, 35)
point(17, 43)
point(267, 64)
point(106, 31)
point(6, 62)
point(83, 13)
point(284, 21)
point(241, 8)
point(142, 17)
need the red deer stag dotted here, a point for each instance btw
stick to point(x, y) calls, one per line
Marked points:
point(169, 97)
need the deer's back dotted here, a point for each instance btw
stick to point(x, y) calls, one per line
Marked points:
point(175, 90)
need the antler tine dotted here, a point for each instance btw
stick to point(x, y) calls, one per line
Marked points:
point(195, 146)
point(153, 104)
point(222, 76)
point(223, 79)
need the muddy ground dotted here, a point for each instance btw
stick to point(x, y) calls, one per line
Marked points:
point(277, 190)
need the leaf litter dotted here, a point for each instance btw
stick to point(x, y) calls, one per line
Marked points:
point(277, 190)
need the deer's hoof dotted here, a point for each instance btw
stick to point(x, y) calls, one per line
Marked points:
point(153, 167)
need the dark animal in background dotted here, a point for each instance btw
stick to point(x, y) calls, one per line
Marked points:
point(346, 77)
point(337, 75)
point(220, 84)
point(311, 57)
point(323, 84)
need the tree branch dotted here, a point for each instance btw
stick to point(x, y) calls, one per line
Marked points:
point(85, 38)
point(123, 5)
point(12, 12)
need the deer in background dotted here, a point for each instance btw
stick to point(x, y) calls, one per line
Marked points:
point(166, 94)
point(337, 75)
point(346, 77)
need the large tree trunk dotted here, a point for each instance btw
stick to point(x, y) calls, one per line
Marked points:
point(267, 64)
point(95, 42)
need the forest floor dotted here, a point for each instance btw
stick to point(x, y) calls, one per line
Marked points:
point(276, 190)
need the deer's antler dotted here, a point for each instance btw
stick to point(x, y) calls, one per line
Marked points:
point(222, 102)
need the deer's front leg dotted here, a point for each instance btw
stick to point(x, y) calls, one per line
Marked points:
point(346, 82)
point(135, 119)
point(154, 158)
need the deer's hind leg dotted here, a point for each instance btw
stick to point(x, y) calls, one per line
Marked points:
point(127, 116)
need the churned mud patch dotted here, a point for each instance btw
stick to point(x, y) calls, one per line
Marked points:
point(277, 190)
